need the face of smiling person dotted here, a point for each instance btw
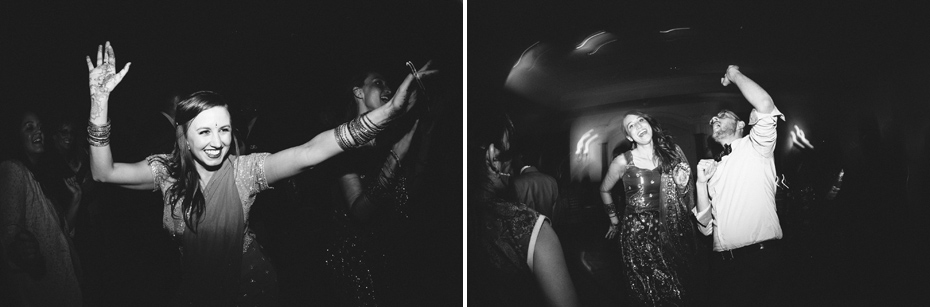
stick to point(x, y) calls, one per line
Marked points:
point(209, 136)
point(637, 129)
point(30, 135)
point(375, 93)
point(63, 137)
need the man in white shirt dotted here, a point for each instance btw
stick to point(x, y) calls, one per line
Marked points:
point(736, 200)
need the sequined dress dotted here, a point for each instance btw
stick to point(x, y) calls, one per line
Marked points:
point(362, 255)
point(657, 238)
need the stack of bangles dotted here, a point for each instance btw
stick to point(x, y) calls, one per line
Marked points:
point(357, 132)
point(98, 136)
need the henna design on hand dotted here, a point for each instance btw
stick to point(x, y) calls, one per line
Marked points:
point(103, 78)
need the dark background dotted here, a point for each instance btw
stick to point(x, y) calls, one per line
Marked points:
point(292, 61)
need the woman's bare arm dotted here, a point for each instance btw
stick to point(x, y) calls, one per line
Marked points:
point(551, 271)
point(103, 80)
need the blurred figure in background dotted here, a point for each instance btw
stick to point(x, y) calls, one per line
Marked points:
point(518, 255)
point(161, 138)
point(533, 188)
point(70, 160)
point(249, 114)
point(38, 258)
point(657, 235)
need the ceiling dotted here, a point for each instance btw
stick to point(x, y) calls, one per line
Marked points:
point(588, 55)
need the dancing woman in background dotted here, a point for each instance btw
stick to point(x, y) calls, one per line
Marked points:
point(39, 258)
point(69, 157)
point(371, 205)
point(208, 191)
point(657, 237)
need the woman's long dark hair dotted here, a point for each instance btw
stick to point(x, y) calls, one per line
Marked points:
point(662, 144)
point(51, 183)
point(180, 163)
point(351, 110)
point(494, 125)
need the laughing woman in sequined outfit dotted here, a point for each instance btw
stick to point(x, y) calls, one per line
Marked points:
point(657, 237)
point(208, 191)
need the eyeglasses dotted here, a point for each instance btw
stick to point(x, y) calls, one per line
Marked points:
point(721, 116)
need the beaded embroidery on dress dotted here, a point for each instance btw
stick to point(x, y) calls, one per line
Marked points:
point(656, 237)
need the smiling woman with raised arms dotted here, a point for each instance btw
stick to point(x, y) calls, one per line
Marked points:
point(208, 190)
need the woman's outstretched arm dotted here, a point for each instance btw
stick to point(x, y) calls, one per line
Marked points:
point(103, 80)
point(354, 134)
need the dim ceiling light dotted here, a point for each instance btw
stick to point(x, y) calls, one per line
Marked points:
point(585, 41)
point(602, 45)
point(524, 53)
point(673, 29)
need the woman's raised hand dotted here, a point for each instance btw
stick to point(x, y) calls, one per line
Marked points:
point(404, 99)
point(103, 77)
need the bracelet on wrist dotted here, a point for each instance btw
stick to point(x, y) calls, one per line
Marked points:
point(394, 155)
point(611, 209)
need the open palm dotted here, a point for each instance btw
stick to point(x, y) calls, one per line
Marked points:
point(103, 77)
point(404, 98)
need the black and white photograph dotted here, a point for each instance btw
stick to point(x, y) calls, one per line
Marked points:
point(697, 153)
point(333, 129)
point(607, 153)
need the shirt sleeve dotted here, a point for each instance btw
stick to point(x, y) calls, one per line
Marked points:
point(251, 168)
point(763, 135)
point(159, 171)
point(705, 220)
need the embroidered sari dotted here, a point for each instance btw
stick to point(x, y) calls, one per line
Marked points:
point(221, 265)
